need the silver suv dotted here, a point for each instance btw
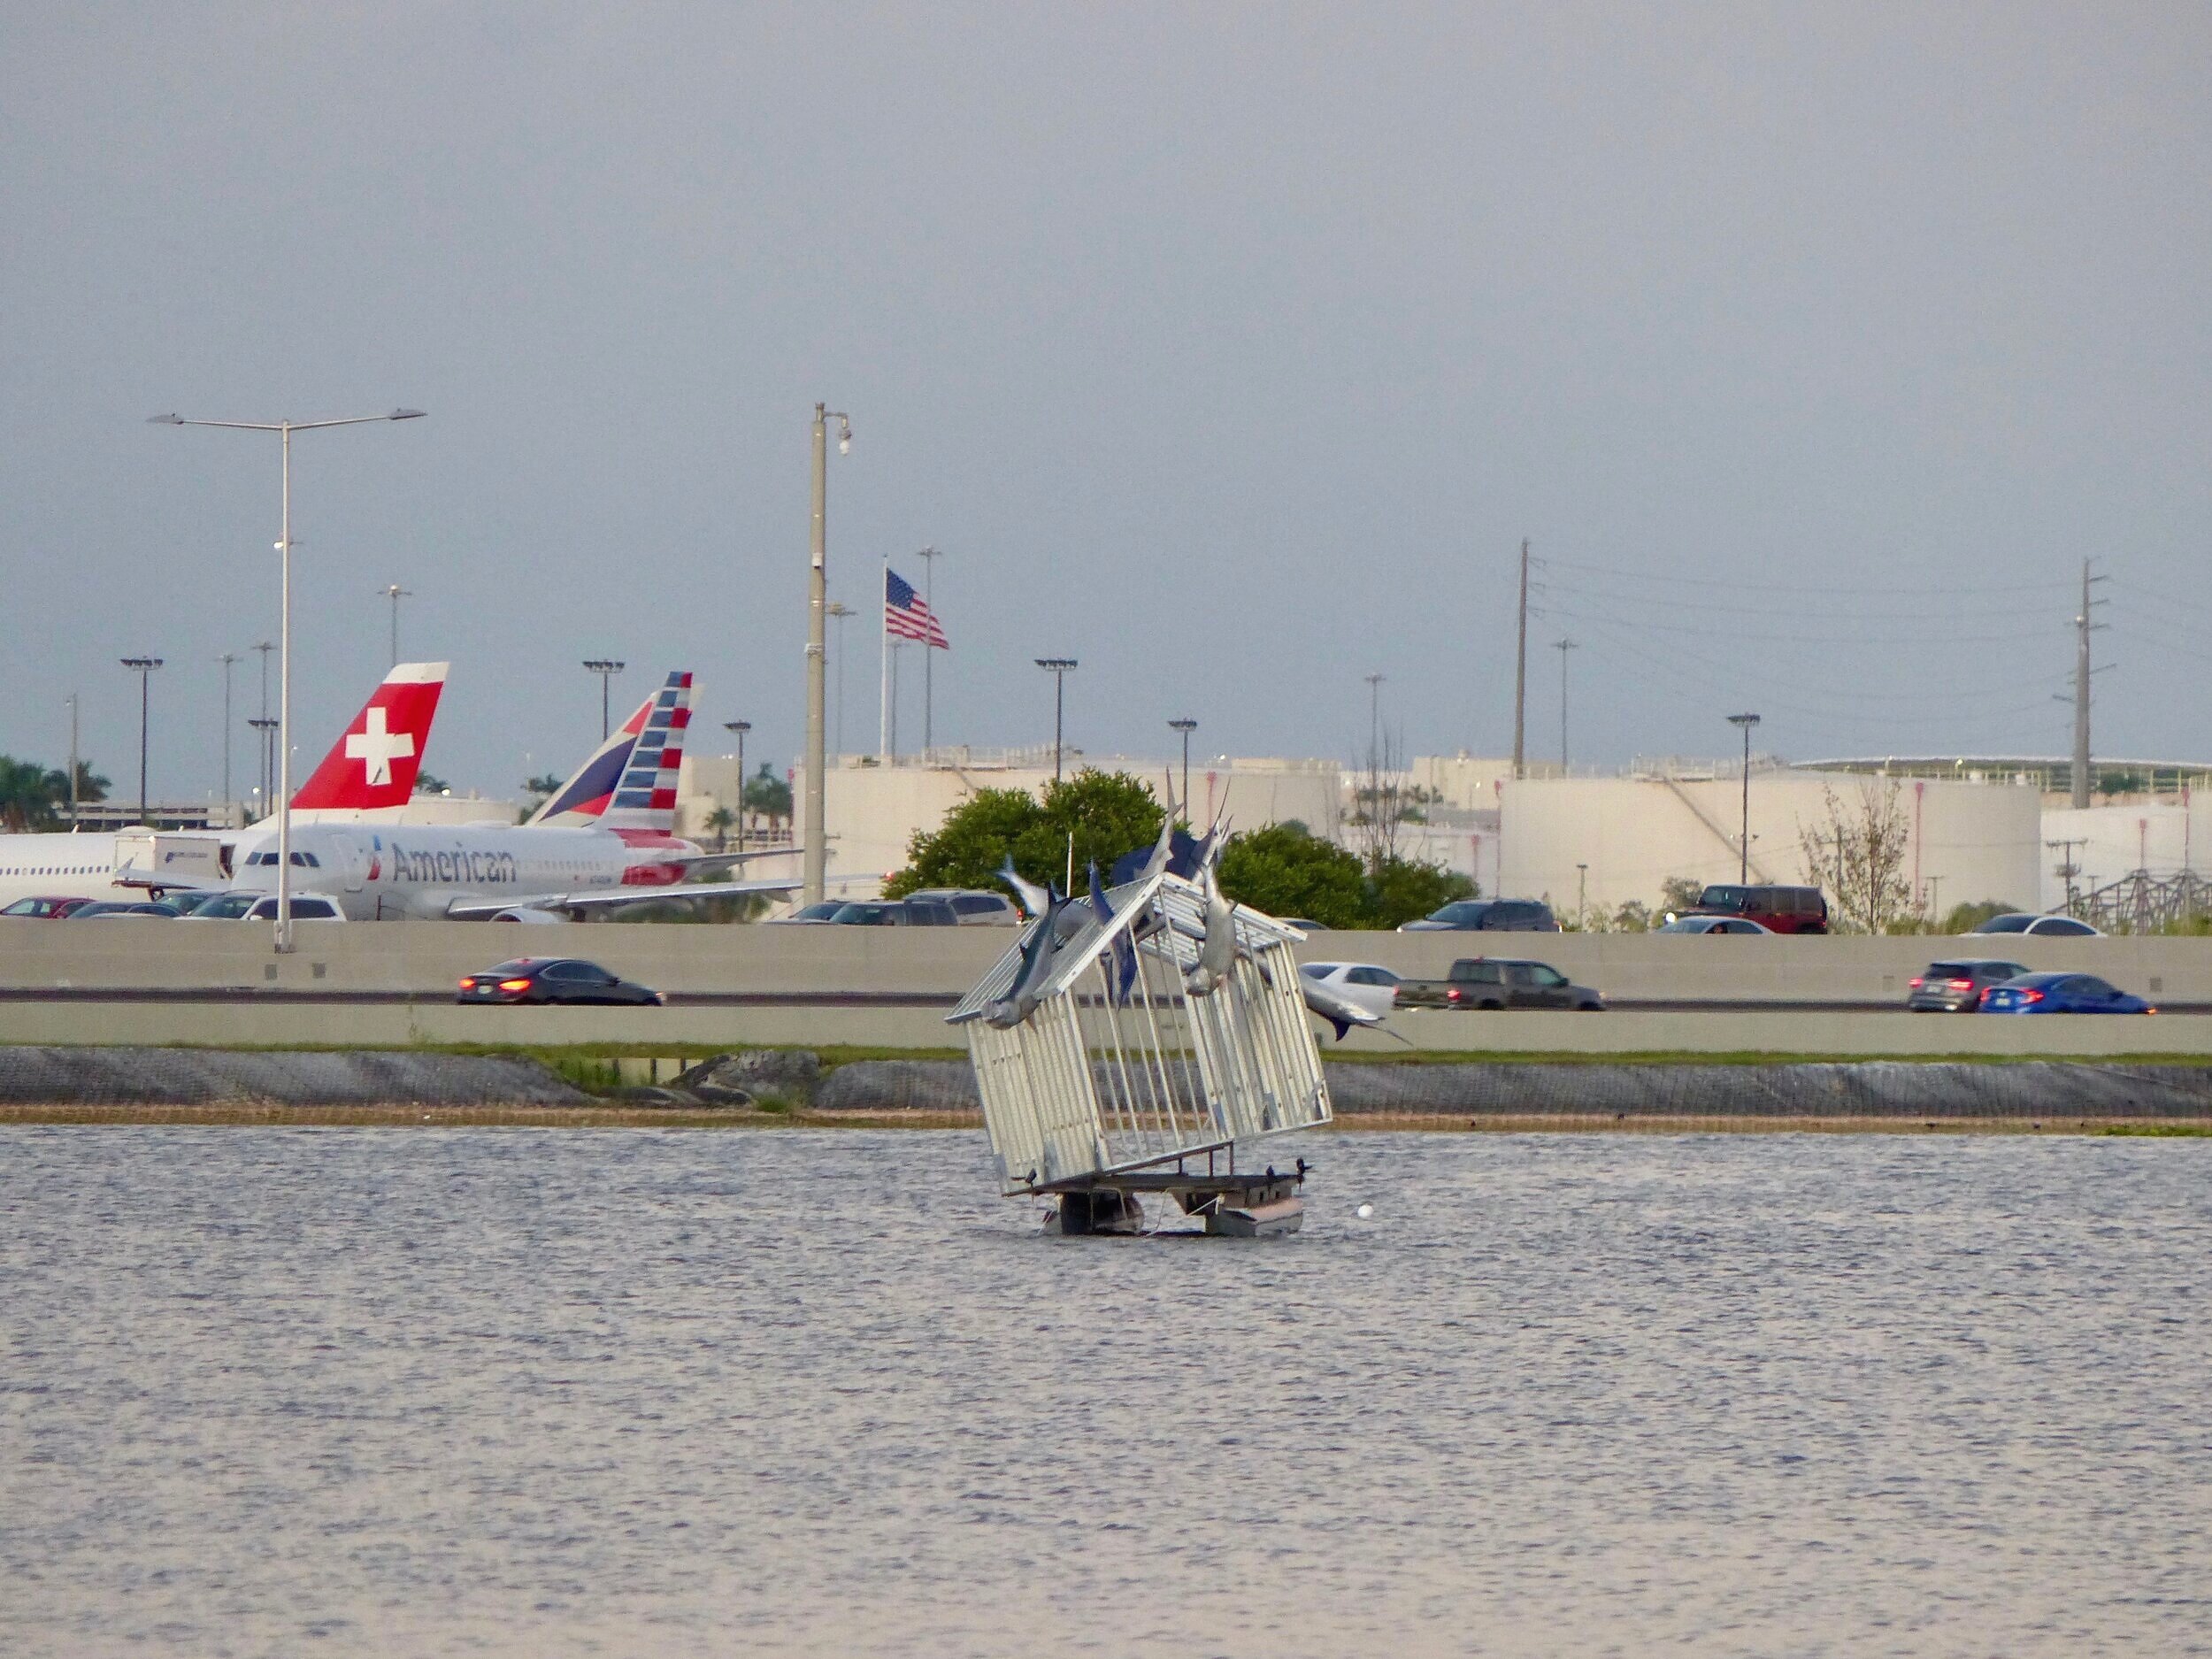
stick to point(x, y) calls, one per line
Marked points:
point(973, 907)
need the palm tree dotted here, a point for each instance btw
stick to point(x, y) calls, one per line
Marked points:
point(27, 794)
point(721, 821)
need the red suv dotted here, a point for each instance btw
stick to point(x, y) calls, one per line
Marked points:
point(1778, 910)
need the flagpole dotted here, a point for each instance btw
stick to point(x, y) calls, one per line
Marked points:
point(883, 617)
point(929, 557)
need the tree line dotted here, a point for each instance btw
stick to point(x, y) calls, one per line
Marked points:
point(34, 796)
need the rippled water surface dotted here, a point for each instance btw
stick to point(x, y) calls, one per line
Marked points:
point(526, 1392)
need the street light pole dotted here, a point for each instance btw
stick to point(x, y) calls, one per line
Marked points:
point(839, 612)
point(73, 766)
point(144, 667)
point(1058, 667)
point(261, 793)
point(266, 730)
point(815, 866)
point(228, 659)
point(929, 556)
point(1185, 726)
point(606, 668)
point(1744, 723)
point(395, 592)
point(741, 727)
point(1563, 646)
point(1374, 720)
point(285, 429)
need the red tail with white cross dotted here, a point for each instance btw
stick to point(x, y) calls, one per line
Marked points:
point(374, 763)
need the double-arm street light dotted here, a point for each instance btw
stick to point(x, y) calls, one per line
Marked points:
point(144, 667)
point(1059, 668)
point(1185, 726)
point(394, 592)
point(284, 429)
point(814, 868)
point(606, 668)
point(1744, 723)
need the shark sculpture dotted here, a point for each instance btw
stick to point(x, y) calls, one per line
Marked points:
point(1039, 948)
point(1035, 900)
point(1124, 949)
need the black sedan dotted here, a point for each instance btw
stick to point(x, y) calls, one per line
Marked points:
point(553, 980)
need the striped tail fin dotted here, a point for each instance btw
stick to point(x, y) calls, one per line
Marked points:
point(629, 783)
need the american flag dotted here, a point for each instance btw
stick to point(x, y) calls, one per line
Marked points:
point(907, 614)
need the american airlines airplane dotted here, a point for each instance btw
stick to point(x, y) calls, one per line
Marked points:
point(370, 769)
point(603, 840)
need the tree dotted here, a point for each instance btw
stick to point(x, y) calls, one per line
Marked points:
point(1284, 870)
point(540, 789)
point(1857, 853)
point(27, 794)
point(1107, 814)
point(1965, 918)
point(767, 795)
point(424, 784)
point(721, 821)
point(90, 784)
point(1678, 894)
point(1404, 889)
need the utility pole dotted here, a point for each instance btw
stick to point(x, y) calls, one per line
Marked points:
point(228, 659)
point(265, 647)
point(2083, 628)
point(2066, 868)
point(1563, 646)
point(1520, 671)
point(1744, 723)
point(395, 592)
point(73, 766)
point(929, 556)
point(815, 867)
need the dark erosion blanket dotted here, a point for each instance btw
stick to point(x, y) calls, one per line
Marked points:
point(193, 1077)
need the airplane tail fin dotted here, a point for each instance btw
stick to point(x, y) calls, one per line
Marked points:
point(374, 763)
point(629, 782)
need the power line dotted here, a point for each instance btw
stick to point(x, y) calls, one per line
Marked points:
point(1671, 579)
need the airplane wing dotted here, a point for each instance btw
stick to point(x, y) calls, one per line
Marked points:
point(604, 899)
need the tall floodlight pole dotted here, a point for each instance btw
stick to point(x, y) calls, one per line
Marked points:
point(1744, 723)
point(144, 667)
point(839, 612)
point(1374, 718)
point(929, 556)
point(264, 730)
point(1186, 727)
point(606, 668)
point(285, 429)
point(740, 727)
point(1563, 646)
point(1520, 671)
point(74, 768)
point(261, 794)
point(1059, 668)
point(815, 866)
point(229, 660)
point(395, 592)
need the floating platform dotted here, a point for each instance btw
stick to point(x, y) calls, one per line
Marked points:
point(1265, 1204)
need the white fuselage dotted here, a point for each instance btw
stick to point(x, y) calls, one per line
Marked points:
point(390, 871)
point(59, 866)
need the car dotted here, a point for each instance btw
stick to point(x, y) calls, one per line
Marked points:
point(1713, 925)
point(1778, 910)
point(2040, 926)
point(2061, 993)
point(306, 907)
point(123, 906)
point(46, 910)
point(1497, 982)
point(546, 979)
point(815, 915)
point(1303, 924)
point(1508, 915)
point(1365, 984)
point(971, 907)
point(1955, 985)
point(224, 906)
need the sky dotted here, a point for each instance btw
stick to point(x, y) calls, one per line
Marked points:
point(1231, 350)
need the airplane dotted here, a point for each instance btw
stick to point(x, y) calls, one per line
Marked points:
point(604, 840)
point(369, 769)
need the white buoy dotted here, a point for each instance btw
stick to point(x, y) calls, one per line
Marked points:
point(1364, 1211)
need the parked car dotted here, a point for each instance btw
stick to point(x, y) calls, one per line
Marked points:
point(225, 907)
point(1778, 910)
point(2040, 926)
point(306, 907)
point(971, 907)
point(1712, 924)
point(1371, 987)
point(553, 980)
point(1956, 986)
point(917, 913)
point(1484, 982)
point(46, 910)
point(100, 908)
point(2061, 993)
point(1304, 925)
point(1496, 916)
point(818, 914)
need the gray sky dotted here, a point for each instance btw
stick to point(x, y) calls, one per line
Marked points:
point(1230, 350)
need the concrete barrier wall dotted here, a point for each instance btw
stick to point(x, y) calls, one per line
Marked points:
point(427, 957)
point(383, 1024)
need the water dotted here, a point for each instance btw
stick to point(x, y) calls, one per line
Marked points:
point(516, 1392)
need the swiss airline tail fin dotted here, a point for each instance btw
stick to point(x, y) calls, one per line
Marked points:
point(630, 781)
point(374, 763)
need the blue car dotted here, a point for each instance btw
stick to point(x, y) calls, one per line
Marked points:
point(2061, 993)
